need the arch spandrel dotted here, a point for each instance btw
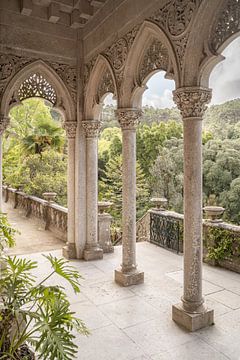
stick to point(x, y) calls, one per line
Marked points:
point(100, 83)
point(150, 52)
point(224, 28)
point(38, 79)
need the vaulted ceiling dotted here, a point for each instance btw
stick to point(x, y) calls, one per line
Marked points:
point(72, 13)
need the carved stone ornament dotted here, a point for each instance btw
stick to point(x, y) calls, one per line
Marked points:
point(70, 127)
point(192, 101)
point(227, 24)
point(4, 122)
point(91, 127)
point(129, 118)
point(11, 64)
point(37, 86)
point(155, 58)
point(106, 86)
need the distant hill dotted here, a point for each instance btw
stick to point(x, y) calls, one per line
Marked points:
point(217, 118)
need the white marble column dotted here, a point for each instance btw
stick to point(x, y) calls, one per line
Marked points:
point(192, 312)
point(92, 249)
point(128, 274)
point(4, 122)
point(69, 251)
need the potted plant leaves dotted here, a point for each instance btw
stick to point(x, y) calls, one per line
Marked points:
point(35, 318)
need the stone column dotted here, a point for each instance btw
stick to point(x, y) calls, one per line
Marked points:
point(92, 249)
point(69, 251)
point(192, 312)
point(4, 122)
point(128, 274)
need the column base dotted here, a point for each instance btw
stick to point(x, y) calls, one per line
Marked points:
point(127, 279)
point(109, 248)
point(93, 254)
point(69, 251)
point(191, 321)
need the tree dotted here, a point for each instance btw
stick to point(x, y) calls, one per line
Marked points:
point(110, 188)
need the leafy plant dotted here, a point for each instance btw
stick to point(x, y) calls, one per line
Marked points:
point(224, 243)
point(33, 313)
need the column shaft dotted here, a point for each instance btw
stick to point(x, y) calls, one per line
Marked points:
point(129, 200)
point(128, 274)
point(92, 250)
point(192, 313)
point(69, 251)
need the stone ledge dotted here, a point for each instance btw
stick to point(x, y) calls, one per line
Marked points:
point(192, 322)
point(128, 279)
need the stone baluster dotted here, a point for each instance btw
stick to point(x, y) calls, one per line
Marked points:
point(92, 249)
point(128, 274)
point(69, 251)
point(192, 313)
point(4, 122)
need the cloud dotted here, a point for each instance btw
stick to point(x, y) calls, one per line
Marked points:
point(158, 101)
point(225, 78)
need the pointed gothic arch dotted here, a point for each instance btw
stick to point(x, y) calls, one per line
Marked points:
point(151, 52)
point(38, 79)
point(223, 30)
point(101, 82)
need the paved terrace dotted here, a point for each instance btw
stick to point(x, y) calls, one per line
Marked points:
point(135, 323)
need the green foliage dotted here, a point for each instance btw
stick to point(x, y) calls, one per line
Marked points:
point(110, 188)
point(36, 314)
point(226, 244)
point(7, 234)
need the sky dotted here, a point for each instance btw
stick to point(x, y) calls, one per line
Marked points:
point(224, 80)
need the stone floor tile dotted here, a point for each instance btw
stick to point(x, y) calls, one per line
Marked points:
point(105, 292)
point(158, 335)
point(91, 315)
point(192, 350)
point(219, 309)
point(128, 312)
point(108, 343)
point(226, 298)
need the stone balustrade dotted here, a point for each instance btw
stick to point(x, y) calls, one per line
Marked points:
point(221, 240)
point(53, 216)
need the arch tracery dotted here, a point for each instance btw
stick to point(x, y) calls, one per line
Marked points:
point(226, 25)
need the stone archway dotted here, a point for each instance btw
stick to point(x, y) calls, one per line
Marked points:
point(38, 79)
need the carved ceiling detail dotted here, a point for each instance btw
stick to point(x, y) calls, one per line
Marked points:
point(227, 24)
point(155, 58)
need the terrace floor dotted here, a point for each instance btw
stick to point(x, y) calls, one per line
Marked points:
point(135, 323)
point(32, 236)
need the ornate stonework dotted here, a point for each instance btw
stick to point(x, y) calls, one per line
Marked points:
point(37, 86)
point(91, 127)
point(192, 102)
point(70, 128)
point(155, 58)
point(129, 118)
point(118, 52)
point(227, 24)
point(106, 86)
point(4, 122)
point(175, 19)
point(11, 64)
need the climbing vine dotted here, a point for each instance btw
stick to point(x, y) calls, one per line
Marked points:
point(226, 244)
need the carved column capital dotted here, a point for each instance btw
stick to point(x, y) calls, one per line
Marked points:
point(192, 101)
point(70, 128)
point(129, 118)
point(91, 127)
point(4, 122)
